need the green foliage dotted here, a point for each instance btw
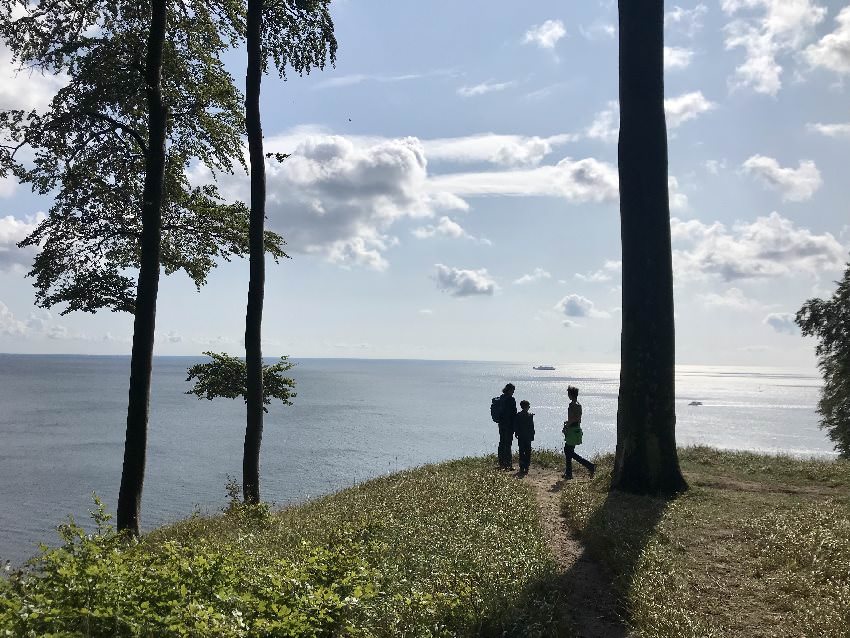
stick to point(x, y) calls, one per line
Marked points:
point(102, 585)
point(448, 550)
point(87, 149)
point(829, 322)
point(226, 376)
point(298, 34)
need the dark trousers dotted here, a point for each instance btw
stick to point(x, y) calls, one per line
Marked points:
point(570, 454)
point(506, 437)
point(524, 453)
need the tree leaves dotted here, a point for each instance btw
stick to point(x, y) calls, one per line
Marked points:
point(226, 377)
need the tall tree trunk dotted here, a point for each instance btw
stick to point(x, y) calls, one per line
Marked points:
point(646, 461)
point(141, 362)
point(254, 313)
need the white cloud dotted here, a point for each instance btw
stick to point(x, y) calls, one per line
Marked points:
point(578, 306)
point(538, 275)
point(25, 89)
point(545, 35)
point(678, 200)
point(606, 125)
point(831, 130)
point(445, 227)
point(677, 58)
point(795, 184)
point(578, 181)
point(464, 283)
point(833, 50)
point(8, 186)
point(508, 150)
point(608, 270)
point(733, 298)
point(598, 30)
point(769, 247)
point(483, 88)
point(783, 26)
point(715, 166)
point(688, 21)
point(686, 107)
point(782, 322)
point(9, 325)
point(13, 230)
point(359, 78)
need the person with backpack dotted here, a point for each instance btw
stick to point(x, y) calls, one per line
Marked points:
point(524, 428)
point(503, 412)
point(573, 435)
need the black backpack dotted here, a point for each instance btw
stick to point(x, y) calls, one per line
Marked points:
point(496, 408)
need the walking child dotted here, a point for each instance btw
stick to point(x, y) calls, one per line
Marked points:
point(573, 435)
point(524, 428)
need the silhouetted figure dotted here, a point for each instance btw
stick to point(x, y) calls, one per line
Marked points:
point(524, 429)
point(573, 435)
point(506, 426)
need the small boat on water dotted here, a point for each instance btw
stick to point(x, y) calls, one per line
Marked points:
point(544, 367)
point(695, 403)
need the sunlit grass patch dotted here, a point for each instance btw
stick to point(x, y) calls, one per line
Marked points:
point(445, 550)
point(744, 552)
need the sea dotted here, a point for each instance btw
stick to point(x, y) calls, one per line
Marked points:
point(62, 422)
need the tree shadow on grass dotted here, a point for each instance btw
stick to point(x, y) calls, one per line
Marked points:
point(589, 597)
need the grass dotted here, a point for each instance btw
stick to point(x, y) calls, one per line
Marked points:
point(758, 546)
point(447, 550)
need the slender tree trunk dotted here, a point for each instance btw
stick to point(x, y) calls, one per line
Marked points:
point(141, 362)
point(254, 313)
point(646, 461)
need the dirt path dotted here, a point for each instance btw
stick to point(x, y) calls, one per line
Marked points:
point(587, 585)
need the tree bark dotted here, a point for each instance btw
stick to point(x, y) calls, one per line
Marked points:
point(141, 361)
point(256, 284)
point(646, 461)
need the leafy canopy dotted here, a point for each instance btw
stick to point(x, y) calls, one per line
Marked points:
point(88, 147)
point(227, 377)
point(829, 321)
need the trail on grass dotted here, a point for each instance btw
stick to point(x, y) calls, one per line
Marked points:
point(587, 584)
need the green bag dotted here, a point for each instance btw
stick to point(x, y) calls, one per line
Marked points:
point(573, 434)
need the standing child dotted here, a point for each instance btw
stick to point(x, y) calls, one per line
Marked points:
point(524, 427)
point(573, 435)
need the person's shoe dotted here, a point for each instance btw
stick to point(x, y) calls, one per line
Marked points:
point(566, 476)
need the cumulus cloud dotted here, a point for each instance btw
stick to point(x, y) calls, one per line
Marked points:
point(781, 27)
point(769, 247)
point(833, 50)
point(606, 273)
point(445, 227)
point(483, 88)
point(545, 35)
point(9, 325)
point(715, 166)
point(538, 275)
point(686, 107)
point(464, 283)
point(578, 306)
point(606, 125)
point(677, 58)
point(687, 21)
point(23, 88)
point(733, 298)
point(795, 184)
point(507, 150)
point(578, 181)
point(598, 30)
point(678, 200)
point(782, 322)
point(830, 130)
point(13, 230)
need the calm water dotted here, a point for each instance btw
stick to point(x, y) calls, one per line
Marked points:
point(62, 428)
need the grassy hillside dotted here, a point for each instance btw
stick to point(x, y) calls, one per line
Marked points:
point(759, 546)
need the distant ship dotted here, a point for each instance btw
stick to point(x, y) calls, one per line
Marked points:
point(544, 367)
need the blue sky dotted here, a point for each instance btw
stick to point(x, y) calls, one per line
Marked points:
point(452, 190)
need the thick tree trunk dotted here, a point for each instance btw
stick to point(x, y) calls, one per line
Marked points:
point(141, 362)
point(646, 461)
point(254, 313)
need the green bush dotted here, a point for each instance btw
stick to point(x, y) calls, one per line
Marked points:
point(104, 585)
